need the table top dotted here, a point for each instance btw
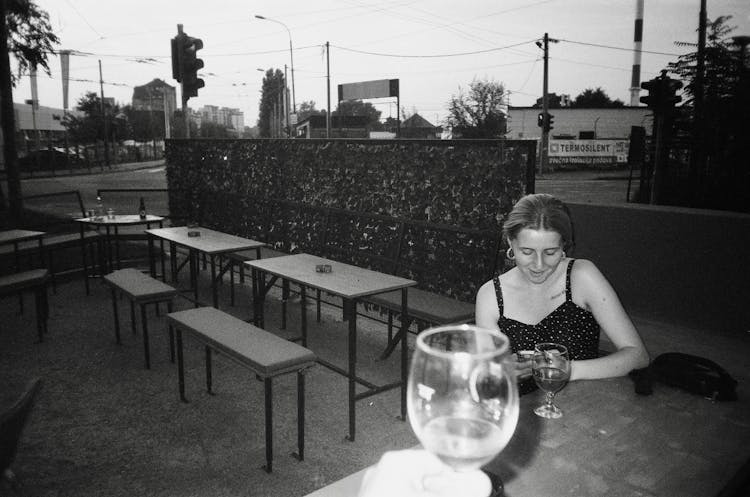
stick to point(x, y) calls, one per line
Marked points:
point(209, 241)
point(15, 235)
point(344, 280)
point(120, 220)
point(611, 441)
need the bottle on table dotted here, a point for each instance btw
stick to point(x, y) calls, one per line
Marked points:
point(99, 207)
point(142, 209)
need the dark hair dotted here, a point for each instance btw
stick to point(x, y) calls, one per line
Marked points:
point(540, 211)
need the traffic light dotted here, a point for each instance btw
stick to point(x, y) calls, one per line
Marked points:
point(544, 121)
point(540, 119)
point(653, 98)
point(191, 83)
point(550, 119)
point(662, 93)
point(177, 42)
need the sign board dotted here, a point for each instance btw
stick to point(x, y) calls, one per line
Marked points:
point(577, 153)
point(369, 89)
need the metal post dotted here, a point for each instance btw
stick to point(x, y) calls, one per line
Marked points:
point(544, 152)
point(104, 116)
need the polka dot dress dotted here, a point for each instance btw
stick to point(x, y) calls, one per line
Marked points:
point(569, 325)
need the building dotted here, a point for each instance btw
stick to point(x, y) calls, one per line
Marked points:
point(571, 123)
point(155, 96)
point(417, 126)
point(226, 116)
point(341, 127)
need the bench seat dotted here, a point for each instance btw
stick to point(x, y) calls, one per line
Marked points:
point(35, 280)
point(427, 306)
point(263, 353)
point(140, 289)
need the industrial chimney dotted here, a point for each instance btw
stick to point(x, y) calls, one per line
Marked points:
point(635, 81)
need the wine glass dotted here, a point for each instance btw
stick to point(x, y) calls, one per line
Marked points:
point(551, 370)
point(462, 394)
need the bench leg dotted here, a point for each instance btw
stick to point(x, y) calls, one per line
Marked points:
point(144, 325)
point(39, 304)
point(116, 314)
point(209, 379)
point(231, 282)
point(317, 305)
point(171, 335)
point(269, 424)
point(300, 455)
point(132, 317)
point(180, 367)
point(284, 298)
point(303, 316)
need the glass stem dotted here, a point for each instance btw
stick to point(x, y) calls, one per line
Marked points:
point(550, 398)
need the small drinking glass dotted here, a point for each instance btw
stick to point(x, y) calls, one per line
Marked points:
point(551, 370)
point(462, 396)
point(110, 213)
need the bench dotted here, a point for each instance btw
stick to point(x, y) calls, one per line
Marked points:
point(264, 354)
point(53, 213)
point(34, 280)
point(140, 289)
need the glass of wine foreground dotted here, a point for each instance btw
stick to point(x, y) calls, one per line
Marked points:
point(551, 370)
point(462, 396)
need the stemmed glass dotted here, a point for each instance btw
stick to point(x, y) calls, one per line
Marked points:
point(551, 370)
point(462, 394)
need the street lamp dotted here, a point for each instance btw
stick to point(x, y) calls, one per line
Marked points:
point(291, 55)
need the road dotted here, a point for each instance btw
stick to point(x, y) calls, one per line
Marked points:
point(596, 187)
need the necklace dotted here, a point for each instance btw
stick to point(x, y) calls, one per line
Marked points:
point(557, 295)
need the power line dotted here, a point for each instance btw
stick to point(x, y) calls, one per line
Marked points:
point(433, 56)
point(617, 48)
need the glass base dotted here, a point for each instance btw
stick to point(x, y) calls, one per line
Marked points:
point(549, 411)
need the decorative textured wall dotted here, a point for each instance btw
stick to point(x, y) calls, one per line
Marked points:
point(281, 192)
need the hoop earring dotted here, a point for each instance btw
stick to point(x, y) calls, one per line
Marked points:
point(509, 254)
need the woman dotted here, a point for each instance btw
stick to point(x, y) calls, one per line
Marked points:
point(549, 297)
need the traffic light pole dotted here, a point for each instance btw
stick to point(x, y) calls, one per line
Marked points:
point(544, 152)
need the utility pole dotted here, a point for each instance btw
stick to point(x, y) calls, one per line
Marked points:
point(328, 90)
point(104, 116)
point(544, 152)
point(697, 156)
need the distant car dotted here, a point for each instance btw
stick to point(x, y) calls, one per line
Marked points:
point(49, 159)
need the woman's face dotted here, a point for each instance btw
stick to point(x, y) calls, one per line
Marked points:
point(538, 253)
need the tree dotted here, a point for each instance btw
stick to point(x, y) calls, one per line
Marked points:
point(359, 108)
point(25, 32)
point(595, 99)
point(88, 127)
point(307, 109)
point(270, 99)
point(480, 112)
point(722, 131)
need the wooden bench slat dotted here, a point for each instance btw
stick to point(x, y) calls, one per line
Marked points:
point(139, 286)
point(266, 354)
point(16, 282)
point(427, 306)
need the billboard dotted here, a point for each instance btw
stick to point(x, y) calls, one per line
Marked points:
point(369, 89)
point(597, 153)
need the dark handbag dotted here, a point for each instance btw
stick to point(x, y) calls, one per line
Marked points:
point(694, 374)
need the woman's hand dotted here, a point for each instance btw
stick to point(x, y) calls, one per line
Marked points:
point(417, 473)
point(523, 363)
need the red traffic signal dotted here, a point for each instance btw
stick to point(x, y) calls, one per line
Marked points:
point(544, 121)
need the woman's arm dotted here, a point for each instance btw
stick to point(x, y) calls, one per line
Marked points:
point(486, 311)
point(592, 290)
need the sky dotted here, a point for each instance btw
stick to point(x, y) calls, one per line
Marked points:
point(434, 47)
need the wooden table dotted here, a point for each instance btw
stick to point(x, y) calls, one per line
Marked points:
point(209, 242)
point(109, 257)
point(348, 282)
point(611, 441)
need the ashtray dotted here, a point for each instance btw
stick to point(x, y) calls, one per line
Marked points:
point(322, 268)
point(193, 233)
